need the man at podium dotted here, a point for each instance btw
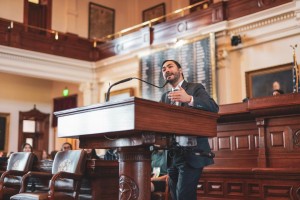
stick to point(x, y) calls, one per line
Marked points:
point(189, 154)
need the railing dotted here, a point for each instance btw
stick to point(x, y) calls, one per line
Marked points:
point(23, 36)
point(173, 15)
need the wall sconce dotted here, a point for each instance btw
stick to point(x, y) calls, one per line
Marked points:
point(236, 40)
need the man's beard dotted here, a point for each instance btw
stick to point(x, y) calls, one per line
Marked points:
point(175, 79)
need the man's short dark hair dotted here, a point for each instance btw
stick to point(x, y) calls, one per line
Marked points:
point(174, 61)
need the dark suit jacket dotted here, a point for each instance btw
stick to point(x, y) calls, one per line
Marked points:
point(204, 102)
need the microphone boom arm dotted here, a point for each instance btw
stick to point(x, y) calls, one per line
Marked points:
point(129, 79)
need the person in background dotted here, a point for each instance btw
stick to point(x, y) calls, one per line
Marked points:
point(111, 154)
point(276, 88)
point(66, 146)
point(52, 154)
point(27, 147)
point(188, 160)
point(276, 85)
point(45, 155)
point(91, 154)
point(159, 170)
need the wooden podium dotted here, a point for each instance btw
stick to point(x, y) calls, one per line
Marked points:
point(132, 126)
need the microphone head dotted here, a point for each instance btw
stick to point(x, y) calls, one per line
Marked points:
point(167, 81)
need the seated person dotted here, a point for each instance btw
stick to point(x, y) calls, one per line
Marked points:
point(276, 85)
point(159, 170)
point(27, 147)
point(52, 154)
point(66, 146)
point(91, 154)
point(45, 155)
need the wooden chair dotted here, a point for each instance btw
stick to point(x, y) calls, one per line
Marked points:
point(18, 165)
point(65, 179)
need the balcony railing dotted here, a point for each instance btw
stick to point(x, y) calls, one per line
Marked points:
point(177, 23)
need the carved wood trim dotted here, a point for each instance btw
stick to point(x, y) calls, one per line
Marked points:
point(250, 183)
point(128, 189)
point(296, 138)
point(238, 8)
point(138, 154)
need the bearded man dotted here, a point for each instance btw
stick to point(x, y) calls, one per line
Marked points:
point(186, 166)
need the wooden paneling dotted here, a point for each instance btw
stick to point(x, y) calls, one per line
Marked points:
point(224, 143)
point(242, 142)
point(236, 143)
point(256, 184)
point(235, 189)
point(215, 188)
point(257, 156)
point(238, 8)
point(103, 176)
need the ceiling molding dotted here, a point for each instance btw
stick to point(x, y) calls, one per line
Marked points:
point(46, 66)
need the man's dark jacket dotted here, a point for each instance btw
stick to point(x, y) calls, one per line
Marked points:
point(204, 102)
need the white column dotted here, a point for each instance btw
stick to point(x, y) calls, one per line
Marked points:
point(297, 12)
point(223, 68)
point(90, 92)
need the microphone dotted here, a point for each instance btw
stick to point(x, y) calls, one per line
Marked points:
point(129, 79)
